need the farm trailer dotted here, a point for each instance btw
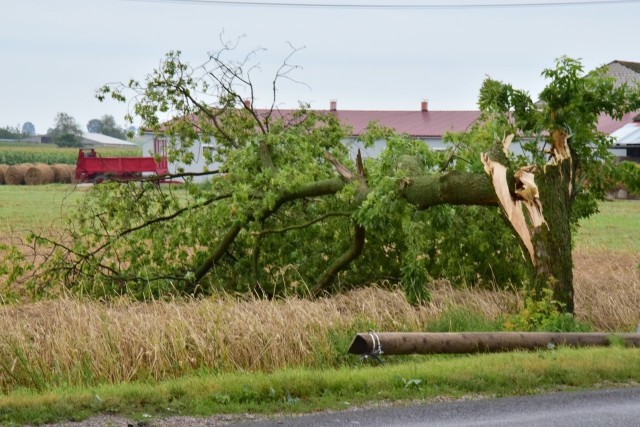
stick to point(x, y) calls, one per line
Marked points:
point(90, 167)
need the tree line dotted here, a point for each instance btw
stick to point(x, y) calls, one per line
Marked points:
point(66, 131)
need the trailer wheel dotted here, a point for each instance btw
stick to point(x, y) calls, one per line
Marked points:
point(99, 179)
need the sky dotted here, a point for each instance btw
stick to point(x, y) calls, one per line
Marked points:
point(55, 54)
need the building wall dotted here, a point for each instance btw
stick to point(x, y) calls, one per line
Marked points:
point(198, 165)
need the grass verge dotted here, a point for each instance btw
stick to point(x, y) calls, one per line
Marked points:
point(420, 378)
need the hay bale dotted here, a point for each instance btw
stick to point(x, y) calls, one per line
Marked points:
point(3, 168)
point(63, 173)
point(14, 175)
point(72, 171)
point(38, 174)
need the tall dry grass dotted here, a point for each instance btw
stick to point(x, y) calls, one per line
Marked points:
point(607, 289)
point(73, 341)
point(70, 341)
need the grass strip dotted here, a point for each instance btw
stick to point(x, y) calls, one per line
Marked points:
point(422, 378)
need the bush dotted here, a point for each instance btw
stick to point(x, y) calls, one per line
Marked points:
point(543, 314)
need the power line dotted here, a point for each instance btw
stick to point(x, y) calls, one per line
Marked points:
point(395, 6)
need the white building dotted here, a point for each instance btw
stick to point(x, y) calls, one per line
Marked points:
point(96, 140)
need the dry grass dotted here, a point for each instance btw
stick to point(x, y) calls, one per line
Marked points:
point(607, 289)
point(72, 341)
point(14, 175)
point(63, 173)
point(78, 342)
point(38, 174)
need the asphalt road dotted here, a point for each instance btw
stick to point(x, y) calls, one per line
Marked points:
point(611, 407)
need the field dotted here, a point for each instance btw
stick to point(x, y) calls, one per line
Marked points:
point(16, 153)
point(35, 207)
point(76, 343)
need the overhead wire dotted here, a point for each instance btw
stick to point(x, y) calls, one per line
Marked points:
point(392, 6)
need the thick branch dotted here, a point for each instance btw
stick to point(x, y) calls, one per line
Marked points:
point(320, 188)
point(351, 254)
point(455, 188)
point(303, 225)
point(214, 258)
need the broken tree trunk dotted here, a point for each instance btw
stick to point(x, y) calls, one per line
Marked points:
point(552, 244)
point(397, 343)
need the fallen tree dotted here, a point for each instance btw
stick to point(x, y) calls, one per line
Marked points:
point(290, 212)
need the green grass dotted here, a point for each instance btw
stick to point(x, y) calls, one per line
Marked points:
point(304, 390)
point(35, 207)
point(615, 227)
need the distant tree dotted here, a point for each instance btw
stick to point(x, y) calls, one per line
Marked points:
point(28, 129)
point(95, 126)
point(9, 132)
point(111, 128)
point(67, 132)
point(68, 140)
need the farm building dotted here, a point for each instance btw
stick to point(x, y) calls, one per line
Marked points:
point(624, 72)
point(95, 140)
point(627, 145)
point(424, 124)
point(431, 125)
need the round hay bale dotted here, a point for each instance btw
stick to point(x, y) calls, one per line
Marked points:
point(72, 171)
point(38, 174)
point(14, 175)
point(3, 168)
point(62, 173)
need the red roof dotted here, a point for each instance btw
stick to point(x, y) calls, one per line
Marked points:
point(424, 124)
point(430, 124)
point(414, 123)
point(608, 125)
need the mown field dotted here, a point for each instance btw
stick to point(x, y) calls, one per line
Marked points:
point(290, 354)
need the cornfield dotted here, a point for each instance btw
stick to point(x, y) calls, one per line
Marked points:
point(14, 155)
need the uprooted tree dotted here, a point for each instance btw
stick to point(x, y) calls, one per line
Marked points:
point(287, 211)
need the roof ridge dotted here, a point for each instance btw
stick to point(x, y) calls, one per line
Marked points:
point(633, 66)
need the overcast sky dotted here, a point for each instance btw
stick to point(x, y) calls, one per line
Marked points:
point(56, 53)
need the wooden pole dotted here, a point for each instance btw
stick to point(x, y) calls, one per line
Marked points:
point(395, 343)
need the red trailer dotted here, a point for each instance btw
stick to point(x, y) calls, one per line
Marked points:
point(93, 168)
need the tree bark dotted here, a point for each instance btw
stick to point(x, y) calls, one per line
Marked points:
point(342, 262)
point(552, 242)
point(551, 260)
point(455, 188)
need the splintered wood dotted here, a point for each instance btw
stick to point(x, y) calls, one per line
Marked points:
point(526, 195)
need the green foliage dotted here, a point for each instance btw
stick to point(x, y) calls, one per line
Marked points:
point(64, 123)
point(278, 219)
point(44, 153)
point(68, 140)
point(571, 103)
point(541, 313)
point(628, 177)
point(13, 266)
point(460, 319)
point(9, 132)
point(107, 126)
